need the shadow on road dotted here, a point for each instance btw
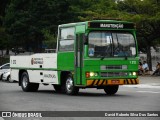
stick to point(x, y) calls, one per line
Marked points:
point(81, 94)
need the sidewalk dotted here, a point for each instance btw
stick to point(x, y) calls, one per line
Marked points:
point(147, 82)
point(149, 79)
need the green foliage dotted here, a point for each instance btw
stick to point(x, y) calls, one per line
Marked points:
point(4, 39)
point(146, 15)
point(33, 23)
point(94, 9)
point(49, 39)
point(26, 20)
point(4, 60)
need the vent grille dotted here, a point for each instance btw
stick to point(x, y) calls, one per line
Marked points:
point(114, 67)
point(113, 74)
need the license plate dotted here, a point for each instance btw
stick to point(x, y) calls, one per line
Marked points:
point(115, 81)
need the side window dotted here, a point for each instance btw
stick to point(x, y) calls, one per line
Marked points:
point(6, 66)
point(66, 40)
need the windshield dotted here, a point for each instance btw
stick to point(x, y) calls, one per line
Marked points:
point(111, 44)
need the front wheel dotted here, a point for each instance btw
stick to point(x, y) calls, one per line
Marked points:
point(26, 85)
point(1, 77)
point(69, 86)
point(111, 90)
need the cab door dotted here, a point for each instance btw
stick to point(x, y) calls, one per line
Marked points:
point(79, 53)
point(79, 58)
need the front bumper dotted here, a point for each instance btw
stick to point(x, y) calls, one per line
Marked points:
point(105, 82)
point(4, 77)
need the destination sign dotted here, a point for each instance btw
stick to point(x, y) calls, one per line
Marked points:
point(112, 25)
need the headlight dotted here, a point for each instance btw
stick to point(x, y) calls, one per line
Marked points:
point(93, 74)
point(134, 73)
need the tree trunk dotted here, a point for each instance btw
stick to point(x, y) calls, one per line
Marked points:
point(1, 57)
point(149, 58)
point(2, 53)
point(7, 51)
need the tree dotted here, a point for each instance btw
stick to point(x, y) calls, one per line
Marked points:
point(4, 42)
point(146, 15)
point(26, 21)
point(93, 9)
point(3, 5)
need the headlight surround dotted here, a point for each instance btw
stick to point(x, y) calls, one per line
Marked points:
point(91, 74)
point(132, 73)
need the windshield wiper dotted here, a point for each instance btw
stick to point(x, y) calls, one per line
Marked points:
point(106, 53)
point(126, 57)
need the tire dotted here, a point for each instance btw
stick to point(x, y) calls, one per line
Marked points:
point(70, 89)
point(111, 90)
point(1, 77)
point(26, 85)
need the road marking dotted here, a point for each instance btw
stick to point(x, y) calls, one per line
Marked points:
point(147, 91)
point(153, 85)
point(154, 92)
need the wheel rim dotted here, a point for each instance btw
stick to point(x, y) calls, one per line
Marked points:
point(25, 81)
point(69, 84)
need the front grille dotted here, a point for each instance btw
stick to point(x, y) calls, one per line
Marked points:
point(113, 74)
point(113, 67)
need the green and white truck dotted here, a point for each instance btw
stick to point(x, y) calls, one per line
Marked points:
point(98, 54)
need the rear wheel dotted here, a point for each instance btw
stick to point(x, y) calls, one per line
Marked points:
point(26, 85)
point(69, 86)
point(111, 90)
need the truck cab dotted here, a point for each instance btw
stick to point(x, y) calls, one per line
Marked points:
point(98, 54)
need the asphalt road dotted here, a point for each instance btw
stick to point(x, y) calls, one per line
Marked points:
point(142, 97)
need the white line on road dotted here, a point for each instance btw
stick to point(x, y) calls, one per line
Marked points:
point(147, 91)
point(144, 86)
point(154, 92)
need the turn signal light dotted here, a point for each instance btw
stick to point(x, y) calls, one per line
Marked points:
point(87, 74)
